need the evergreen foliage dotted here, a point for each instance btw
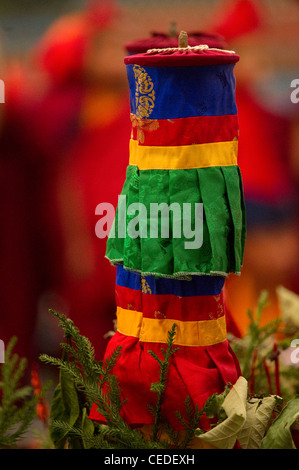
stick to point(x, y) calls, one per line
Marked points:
point(85, 382)
point(259, 361)
point(17, 402)
point(159, 387)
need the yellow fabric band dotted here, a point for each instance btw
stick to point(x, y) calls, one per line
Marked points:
point(183, 156)
point(188, 333)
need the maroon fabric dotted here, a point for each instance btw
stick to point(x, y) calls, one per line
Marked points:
point(25, 174)
point(182, 57)
point(162, 40)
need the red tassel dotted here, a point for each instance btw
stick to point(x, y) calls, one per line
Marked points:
point(251, 380)
point(42, 408)
point(268, 376)
point(277, 378)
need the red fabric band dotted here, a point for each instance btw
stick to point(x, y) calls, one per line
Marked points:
point(205, 307)
point(185, 131)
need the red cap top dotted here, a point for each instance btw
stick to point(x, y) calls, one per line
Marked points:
point(162, 40)
point(183, 56)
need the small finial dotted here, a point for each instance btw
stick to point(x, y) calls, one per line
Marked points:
point(183, 39)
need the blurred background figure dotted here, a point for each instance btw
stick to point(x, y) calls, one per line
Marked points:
point(268, 152)
point(88, 93)
point(19, 170)
point(65, 143)
point(64, 149)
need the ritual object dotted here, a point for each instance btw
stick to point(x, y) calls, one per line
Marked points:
point(183, 160)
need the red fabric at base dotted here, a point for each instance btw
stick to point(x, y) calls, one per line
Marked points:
point(197, 372)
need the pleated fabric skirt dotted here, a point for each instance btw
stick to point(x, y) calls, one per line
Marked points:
point(147, 308)
point(218, 238)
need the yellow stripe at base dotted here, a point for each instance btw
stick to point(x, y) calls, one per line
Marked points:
point(188, 333)
point(183, 156)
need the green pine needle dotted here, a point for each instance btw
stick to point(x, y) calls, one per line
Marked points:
point(17, 405)
point(159, 387)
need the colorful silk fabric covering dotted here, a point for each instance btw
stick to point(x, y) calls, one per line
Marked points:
point(183, 149)
point(147, 308)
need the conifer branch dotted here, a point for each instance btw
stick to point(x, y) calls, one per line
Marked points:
point(190, 422)
point(94, 384)
point(17, 405)
point(159, 387)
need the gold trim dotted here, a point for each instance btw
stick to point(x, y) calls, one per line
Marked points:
point(183, 156)
point(188, 333)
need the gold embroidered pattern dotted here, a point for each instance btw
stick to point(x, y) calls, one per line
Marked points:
point(144, 93)
point(144, 286)
point(143, 125)
point(159, 315)
point(219, 311)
